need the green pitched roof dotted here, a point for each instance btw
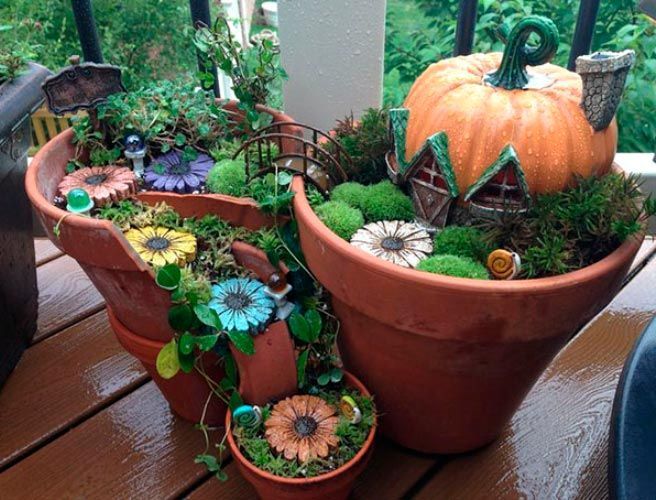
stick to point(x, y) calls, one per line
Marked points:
point(508, 156)
point(437, 145)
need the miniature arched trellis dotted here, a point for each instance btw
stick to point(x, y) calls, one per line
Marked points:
point(319, 159)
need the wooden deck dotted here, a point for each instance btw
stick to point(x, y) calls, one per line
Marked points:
point(79, 418)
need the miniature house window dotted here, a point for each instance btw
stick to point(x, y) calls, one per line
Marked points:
point(502, 192)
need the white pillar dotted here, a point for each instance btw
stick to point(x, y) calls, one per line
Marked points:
point(333, 53)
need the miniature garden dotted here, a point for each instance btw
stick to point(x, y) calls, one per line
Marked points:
point(266, 273)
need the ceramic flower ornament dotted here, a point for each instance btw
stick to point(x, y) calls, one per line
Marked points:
point(302, 427)
point(173, 172)
point(103, 184)
point(242, 304)
point(160, 246)
point(402, 243)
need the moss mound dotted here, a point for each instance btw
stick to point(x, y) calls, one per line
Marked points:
point(351, 193)
point(452, 265)
point(342, 219)
point(227, 177)
point(461, 241)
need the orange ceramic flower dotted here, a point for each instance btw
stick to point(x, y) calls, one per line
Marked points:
point(302, 427)
point(104, 184)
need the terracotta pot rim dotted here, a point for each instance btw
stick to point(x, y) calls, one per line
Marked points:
point(145, 345)
point(351, 380)
point(303, 210)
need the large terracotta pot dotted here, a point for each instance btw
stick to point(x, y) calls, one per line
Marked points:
point(138, 307)
point(335, 485)
point(449, 359)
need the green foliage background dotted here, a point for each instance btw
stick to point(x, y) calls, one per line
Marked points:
point(151, 39)
point(420, 32)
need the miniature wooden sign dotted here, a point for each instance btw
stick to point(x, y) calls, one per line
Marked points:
point(81, 86)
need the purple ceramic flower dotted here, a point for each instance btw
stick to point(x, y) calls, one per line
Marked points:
point(173, 172)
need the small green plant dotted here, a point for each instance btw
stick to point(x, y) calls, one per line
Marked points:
point(340, 218)
point(453, 265)
point(227, 177)
point(366, 141)
point(14, 57)
point(253, 70)
point(462, 241)
point(574, 228)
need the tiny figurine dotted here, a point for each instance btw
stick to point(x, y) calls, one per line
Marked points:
point(79, 202)
point(160, 245)
point(504, 265)
point(399, 242)
point(174, 172)
point(303, 427)
point(103, 184)
point(247, 416)
point(135, 151)
point(242, 304)
point(350, 410)
point(277, 288)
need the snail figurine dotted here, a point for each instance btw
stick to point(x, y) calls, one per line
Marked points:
point(247, 416)
point(504, 265)
point(350, 410)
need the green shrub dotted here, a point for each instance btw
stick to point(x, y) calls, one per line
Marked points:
point(461, 241)
point(351, 193)
point(385, 201)
point(227, 177)
point(340, 218)
point(452, 265)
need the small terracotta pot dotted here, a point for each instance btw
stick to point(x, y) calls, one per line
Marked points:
point(449, 359)
point(186, 393)
point(335, 485)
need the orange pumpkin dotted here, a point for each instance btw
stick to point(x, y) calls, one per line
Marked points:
point(546, 125)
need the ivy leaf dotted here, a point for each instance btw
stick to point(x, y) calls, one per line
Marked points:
point(300, 327)
point(181, 317)
point(301, 364)
point(206, 342)
point(208, 316)
point(168, 277)
point(186, 362)
point(186, 343)
point(167, 362)
point(235, 400)
point(323, 379)
point(242, 341)
point(336, 375)
point(208, 461)
point(230, 368)
point(314, 323)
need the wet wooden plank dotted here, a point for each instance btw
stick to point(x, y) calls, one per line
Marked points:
point(556, 445)
point(135, 448)
point(66, 296)
point(392, 472)
point(45, 251)
point(62, 380)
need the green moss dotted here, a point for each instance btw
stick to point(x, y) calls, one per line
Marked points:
point(227, 177)
point(452, 265)
point(351, 193)
point(385, 201)
point(340, 218)
point(461, 241)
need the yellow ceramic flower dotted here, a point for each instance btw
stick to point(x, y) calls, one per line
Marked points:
point(160, 246)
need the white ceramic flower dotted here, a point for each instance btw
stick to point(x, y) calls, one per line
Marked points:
point(403, 243)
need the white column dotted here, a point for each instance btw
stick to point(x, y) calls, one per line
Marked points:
point(333, 53)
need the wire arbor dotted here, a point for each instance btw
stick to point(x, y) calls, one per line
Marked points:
point(279, 146)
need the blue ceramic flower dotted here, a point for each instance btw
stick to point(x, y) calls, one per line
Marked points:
point(242, 304)
point(172, 172)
